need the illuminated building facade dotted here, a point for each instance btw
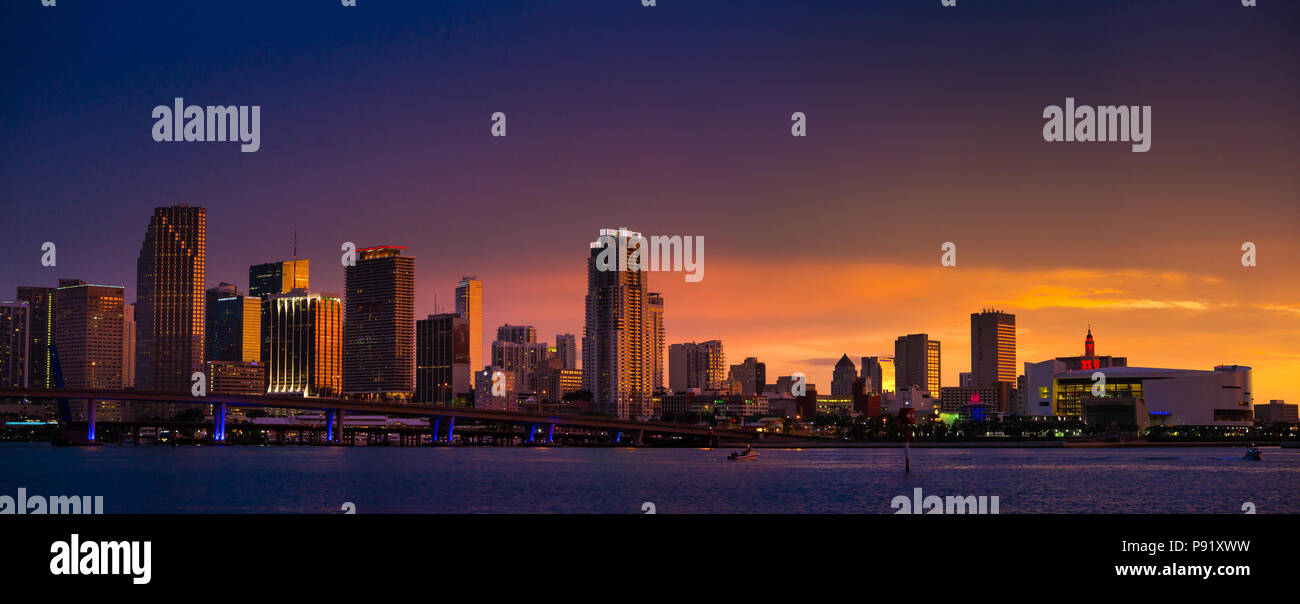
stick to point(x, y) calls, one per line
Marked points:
point(170, 314)
point(916, 358)
point(379, 325)
point(40, 302)
point(655, 316)
point(303, 344)
point(469, 305)
point(88, 334)
point(617, 343)
point(878, 374)
point(279, 277)
point(992, 348)
point(234, 328)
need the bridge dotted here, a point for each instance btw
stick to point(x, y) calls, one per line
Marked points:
point(335, 408)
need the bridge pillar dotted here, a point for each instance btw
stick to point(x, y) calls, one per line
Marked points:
point(637, 437)
point(333, 425)
point(532, 430)
point(90, 420)
point(618, 436)
point(550, 434)
point(219, 422)
point(451, 429)
point(434, 422)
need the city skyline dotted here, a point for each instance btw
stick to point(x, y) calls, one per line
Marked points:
point(1042, 301)
point(817, 247)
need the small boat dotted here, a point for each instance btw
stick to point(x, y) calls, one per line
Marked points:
point(1252, 454)
point(748, 453)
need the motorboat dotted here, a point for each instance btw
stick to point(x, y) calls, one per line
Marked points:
point(1252, 454)
point(748, 453)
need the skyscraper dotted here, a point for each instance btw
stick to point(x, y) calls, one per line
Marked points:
point(379, 325)
point(442, 369)
point(519, 334)
point(279, 277)
point(878, 374)
point(843, 376)
point(697, 365)
point(469, 305)
point(15, 344)
point(616, 340)
point(916, 358)
point(40, 304)
point(169, 310)
point(566, 348)
point(88, 334)
point(303, 346)
point(992, 348)
point(128, 346)
point(655, 302)
point(234, 329)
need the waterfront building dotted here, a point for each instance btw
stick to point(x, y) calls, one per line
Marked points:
point(170, 314)
point(992, 348)
point(302, 348)
point(916, 358)
point(442, 357)
point(40, 361)
point(617, 343)
point(469, 305)
point(379, 325)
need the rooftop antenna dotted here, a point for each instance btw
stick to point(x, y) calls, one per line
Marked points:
point(295, 244)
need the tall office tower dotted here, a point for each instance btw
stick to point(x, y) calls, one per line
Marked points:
point(843, 376)
point(469, 305)
point(88, 334)
point(519, 334)
point(992, 348)
point(566, 348)
point(40, 302)
point(303, 346)
point(751, 374)
point(916, 358)
point(279, 277)
point(128, 346)
point(697, 365)
point(616, 342)
point(379, 325)
point(878, 374)
point(234, 325)
point(526, 361)
point(169, 308)
point(15, 344)
point(655, 317)
point(442, 369)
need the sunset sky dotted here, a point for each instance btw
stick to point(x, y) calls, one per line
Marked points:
point(924, 126)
